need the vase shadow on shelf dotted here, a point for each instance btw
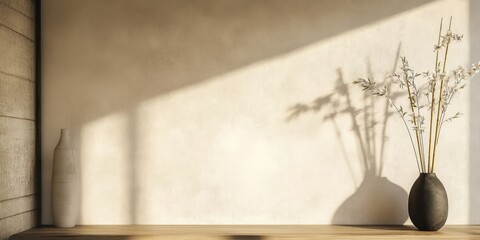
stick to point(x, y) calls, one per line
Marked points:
point(244, 237)
point(377, 200)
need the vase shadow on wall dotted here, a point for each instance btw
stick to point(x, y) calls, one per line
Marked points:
point(136, 66)
point(376, 200)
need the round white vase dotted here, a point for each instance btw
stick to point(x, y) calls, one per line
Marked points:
point(65, 183)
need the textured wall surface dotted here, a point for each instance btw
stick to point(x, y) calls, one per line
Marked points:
point(18, 196)
point(182, 111)
point(474, 121)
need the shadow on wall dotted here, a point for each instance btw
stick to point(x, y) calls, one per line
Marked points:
point(109, 56)
point(128, 51)
point(376, 200)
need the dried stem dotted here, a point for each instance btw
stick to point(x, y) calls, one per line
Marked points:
point(446, 92)
point(369, 85)
point(419, 120)
point(409, 134)
point(415, 122)
point(437, 127)
point(433, 96)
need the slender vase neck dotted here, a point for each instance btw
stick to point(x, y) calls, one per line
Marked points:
point(64, 142)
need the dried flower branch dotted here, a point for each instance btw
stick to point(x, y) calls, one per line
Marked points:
point(425, 99)
point(371, 86)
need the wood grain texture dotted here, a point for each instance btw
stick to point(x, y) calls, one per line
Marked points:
point(256, 232)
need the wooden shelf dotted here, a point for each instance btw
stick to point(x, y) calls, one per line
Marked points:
point(243, 232)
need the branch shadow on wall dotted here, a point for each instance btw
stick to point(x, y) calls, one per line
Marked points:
point(376, 200)
point(128, 53)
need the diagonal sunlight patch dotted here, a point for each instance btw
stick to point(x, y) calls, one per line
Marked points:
point(105, 171)
point(222, 151)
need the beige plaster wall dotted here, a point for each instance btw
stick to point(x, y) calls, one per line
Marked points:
point(18, 192)
point(183, 111)
point(474, 120)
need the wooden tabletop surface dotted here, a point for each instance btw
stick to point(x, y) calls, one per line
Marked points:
point(243, 232)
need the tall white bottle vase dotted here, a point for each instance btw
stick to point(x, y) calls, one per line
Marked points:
point(65, 183)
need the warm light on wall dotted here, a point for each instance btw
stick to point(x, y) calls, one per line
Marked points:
point(221, 151)
point(105, 171)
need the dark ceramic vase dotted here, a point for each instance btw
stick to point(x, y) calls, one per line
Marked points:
point(428, 203)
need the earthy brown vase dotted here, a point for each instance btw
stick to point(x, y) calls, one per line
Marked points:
point(428, 203)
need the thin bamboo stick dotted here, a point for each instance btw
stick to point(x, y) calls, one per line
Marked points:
point(440, 101)
point(433, 97)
